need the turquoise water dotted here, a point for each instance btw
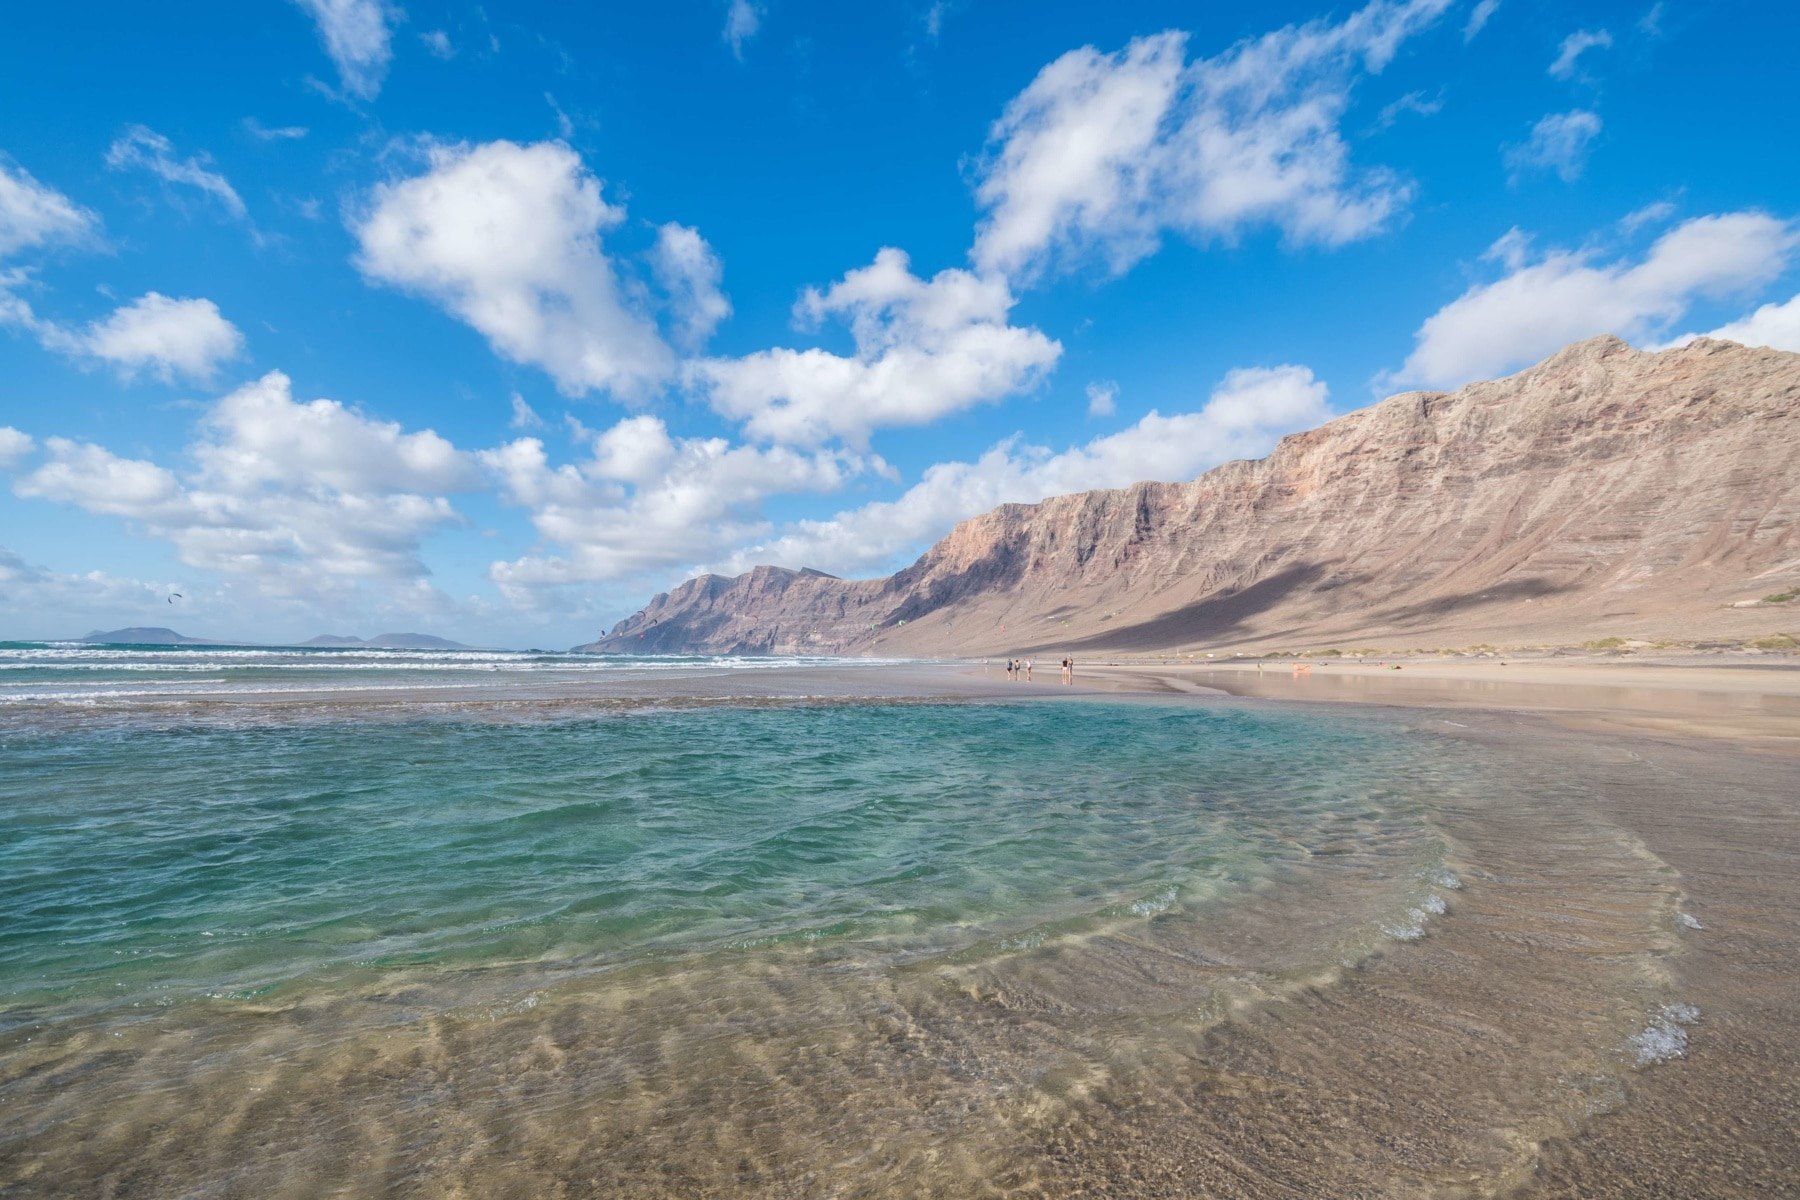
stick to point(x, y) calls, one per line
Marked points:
point(426, 924)
point(147, 867)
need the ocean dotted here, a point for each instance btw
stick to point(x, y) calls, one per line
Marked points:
point(421, 922)
point(71, 673)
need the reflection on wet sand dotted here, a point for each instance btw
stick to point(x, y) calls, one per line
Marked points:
point(1754, 705)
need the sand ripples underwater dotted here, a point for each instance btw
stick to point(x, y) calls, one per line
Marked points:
point(834, 950)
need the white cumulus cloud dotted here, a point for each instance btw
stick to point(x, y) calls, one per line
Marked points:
point(293, 495)
point(924, 349)
point(644, 501)
point(33, 214)
point(690, 272)
point(1560, 142)
point(166, 337)
point(58, 600)
point(1542, 304)
point(1102, 153)
point(260, 435)
point(507, 238)
point(14, 446)
point(1776, 326)
point(1243, 417)
point(358, 35)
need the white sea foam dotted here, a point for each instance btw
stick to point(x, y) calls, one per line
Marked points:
point(1689, 920)
point(237, 690)
point(1411, 927)
point(1665, 1037)
point(1162, 902)
point(94, 658)
point(66, 674)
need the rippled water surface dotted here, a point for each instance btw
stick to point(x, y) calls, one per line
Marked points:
point(815, 949)
point(162, 866)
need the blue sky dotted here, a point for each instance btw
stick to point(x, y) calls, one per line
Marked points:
point(493, 320)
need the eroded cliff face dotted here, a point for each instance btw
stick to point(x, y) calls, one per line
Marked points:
point(1603, 492)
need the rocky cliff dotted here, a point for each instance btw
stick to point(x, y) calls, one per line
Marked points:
point(1604, 492)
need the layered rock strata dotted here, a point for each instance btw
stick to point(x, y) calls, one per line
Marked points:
point(1605, 492)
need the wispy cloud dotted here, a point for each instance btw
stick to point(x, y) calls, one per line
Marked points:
point(1479, 18)
point(142, 148)
point(1102, 398)
point(358, 35)
point(1560, 142)
point(742, 20)
point(1417, 103)
point(1568, 56)
point(278, 133)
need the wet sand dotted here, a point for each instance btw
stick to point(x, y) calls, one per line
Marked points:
point(1701, 764)
point(1608, 1007)
point(1753, 703)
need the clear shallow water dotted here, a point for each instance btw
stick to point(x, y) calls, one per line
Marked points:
point(829, 949)
point(153, 867)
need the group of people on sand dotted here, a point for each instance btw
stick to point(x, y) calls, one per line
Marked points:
point(1020, 668)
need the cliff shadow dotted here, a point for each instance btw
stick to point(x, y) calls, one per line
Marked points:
point(1533, 588)
point(1002, 568)
point(1213, 617)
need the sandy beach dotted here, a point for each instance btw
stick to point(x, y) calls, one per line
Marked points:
point(1746, 700)
point(1701, 761)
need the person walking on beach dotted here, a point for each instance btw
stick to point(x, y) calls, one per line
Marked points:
point(1068, 668)
point(1028, 670)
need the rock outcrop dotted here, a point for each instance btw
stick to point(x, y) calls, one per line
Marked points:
point(1604, 492)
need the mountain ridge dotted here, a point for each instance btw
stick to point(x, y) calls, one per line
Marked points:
point(1605, 490)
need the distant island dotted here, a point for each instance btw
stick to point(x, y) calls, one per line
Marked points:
point(157, 635)
point(150, 635)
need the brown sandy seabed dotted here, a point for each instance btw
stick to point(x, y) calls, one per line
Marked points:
point(1491, 1057)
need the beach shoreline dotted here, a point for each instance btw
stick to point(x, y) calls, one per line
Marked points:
point(1698, 758)
point(1668, 867)
point(1750, 701)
